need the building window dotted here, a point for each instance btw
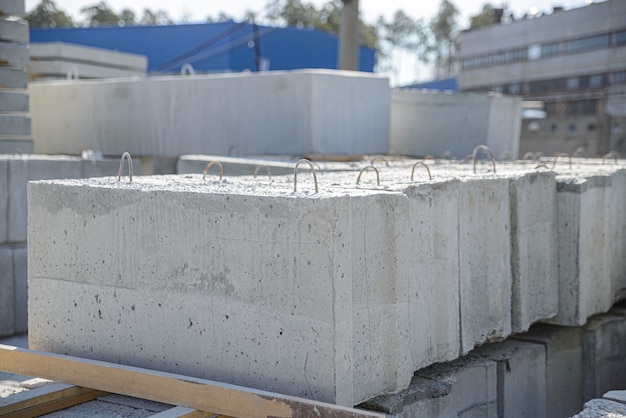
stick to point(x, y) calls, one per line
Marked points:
point(590, 42)
point(596, 80)
point(534, 51)
point(572, 127)
point(549, 50)
point(618, 77)
point(573, 83)
point(515, 88)
point(619, 37)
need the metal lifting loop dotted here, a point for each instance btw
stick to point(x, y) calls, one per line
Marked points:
point(295, 174)
point(380, 159)
point(556, 156)
point(358, 179)
point(612, 154)
point(209, 165)
point(425, 166)
point(256, 171)
point(486, 148)
point(130, 167)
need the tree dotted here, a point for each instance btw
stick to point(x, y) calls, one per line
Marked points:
point(444, 28)
point(485, 18)
point(154, 18)
point(100, 15)
point(47, 15)
point(128, 17)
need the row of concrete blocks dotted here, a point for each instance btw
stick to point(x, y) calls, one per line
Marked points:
point(547, 372)
point(338, 295)
point(16, 171)
point(15, 123)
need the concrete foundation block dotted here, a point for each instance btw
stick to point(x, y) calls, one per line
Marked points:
point(419, 123)
point(14, 55)
point(13, 101)
point(13, 78)
point(28, 168)
point(521, 377)
point(98, 59)
point(233, 166)
point(534, 265)
point(7, 292)
point(484, 261)
point(604, 354)
point(616, 238)
point(288, 113)
point(15, 145)
point(434, 273)
point(20, 277)
point(251, 274)
point(4, 199)
point(564, 372)
point(14, 124)
point(13, 31)
point(583, 250)
point(602, 408)
point(466, 387)
point(12, 8)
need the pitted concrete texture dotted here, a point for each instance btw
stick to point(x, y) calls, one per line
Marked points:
point(13, 30)
point(564, 367)
point(289, 113)
point(521, 373)
point(604, 354)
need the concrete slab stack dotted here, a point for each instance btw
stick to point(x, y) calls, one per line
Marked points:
point(19, 169)
point(60, 60)
point(289, 113)
point(15, 123)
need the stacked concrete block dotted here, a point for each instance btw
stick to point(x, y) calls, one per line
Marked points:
point(617, 234)
point(54, 60)
point(604, 354)
point(289, 113)
point(233, 166)
point(584, 266)
point(427, 123)
point(19, 169)
point(564, 367)
point(15, 123)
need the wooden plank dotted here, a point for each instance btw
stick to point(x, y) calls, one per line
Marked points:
point(46, 399)
point(169, 388)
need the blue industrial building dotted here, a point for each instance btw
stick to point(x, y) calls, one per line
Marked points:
point(213, 47)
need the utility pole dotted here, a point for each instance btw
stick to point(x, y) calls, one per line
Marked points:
point(349, 36)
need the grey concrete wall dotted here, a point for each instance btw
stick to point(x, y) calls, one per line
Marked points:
point(427, 123)
point(287, 113)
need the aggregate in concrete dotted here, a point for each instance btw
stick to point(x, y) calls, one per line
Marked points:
point(13, 30)
point(602, 408)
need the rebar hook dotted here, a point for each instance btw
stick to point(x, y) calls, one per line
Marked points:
point(425, 166)
point(256, 171)
point(209, 165)
point(358, 179)
point(130, 167)
point(486, 148)
point(556, 156)
point(295, 175)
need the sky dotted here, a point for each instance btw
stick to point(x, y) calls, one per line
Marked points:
point(194, 11)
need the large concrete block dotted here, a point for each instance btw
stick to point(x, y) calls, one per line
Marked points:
point(12, 30)
point(15, 145)
point(4, 199)
point(62, 52)
point(564, 367)
point(604, 354)
point(466, 387)
point(583, 250)
point(484, 261)
point(287, 113)
point(11, 101)
point(534, 265)
point(265, 290)
point(12, 8)
point(14, 55)
point(233, 166)
point(602, 408)
point(7, 292)
point(521, 377)
point(14, 78)
point(26, 168)
point(20, 277)
point(14, 124)
point(426, 123)
point(616, 230)
point(51, 69)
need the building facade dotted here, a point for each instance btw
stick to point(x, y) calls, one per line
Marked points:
point(573, 61)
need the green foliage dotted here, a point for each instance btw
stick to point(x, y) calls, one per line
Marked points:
point(100, 15)
point(485, 18)
point(47, 15)
point(444, 28)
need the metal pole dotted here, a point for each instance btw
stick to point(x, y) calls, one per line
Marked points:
point(349, 36)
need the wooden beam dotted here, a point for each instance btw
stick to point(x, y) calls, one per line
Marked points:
point(182, 412)
point(169, 388)
point(46, 399)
